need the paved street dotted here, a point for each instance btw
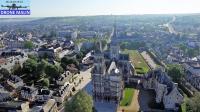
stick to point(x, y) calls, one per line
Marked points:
point(86, 80)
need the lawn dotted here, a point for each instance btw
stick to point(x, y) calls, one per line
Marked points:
point(183, 105)
point(141, 66)
point(127, 98)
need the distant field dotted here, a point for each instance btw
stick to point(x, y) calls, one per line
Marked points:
point(138, 61)
point(128, 94)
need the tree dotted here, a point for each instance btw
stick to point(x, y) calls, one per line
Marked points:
point(175, 71)
point(32, 57)
point(192, 52)
point(4, 72)
point(132, 45)
point(183, 47)
point(45, 82)
point(81, 102)
point(42, 65)
point(17, 69)
point(30, 66)
point(79, 56)
point(40, 73)
point(67, 60)
point(60, 69)
point(53, 71)
point(28, 44)
point(193, 104)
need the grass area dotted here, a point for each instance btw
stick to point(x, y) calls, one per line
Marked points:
point(128, 94)
point(183, 105)
point(138, 61)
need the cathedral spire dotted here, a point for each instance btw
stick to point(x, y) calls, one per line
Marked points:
point(99, 43)
point(115, 29)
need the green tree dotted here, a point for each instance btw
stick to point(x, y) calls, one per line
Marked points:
point(183, 47)
point(30, 66)
point(193, 104)
point(40, 73)
point(53, 71)
point(175, 71)
point(81, 102)
point(32, 57)
point(28, 44)
point(67, 60)
point(132, 45)
point(4, 72)
point(45, 82)
point(17, 69)
point(79, 56)
point(192, 52)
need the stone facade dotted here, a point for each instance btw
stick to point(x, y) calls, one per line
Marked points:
point(166, 90)
point(111, 70)
point(192, 71)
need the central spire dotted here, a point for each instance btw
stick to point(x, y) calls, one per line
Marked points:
point(115, 29)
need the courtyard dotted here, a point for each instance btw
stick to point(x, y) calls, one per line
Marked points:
point(129, 103)
point(128, 94)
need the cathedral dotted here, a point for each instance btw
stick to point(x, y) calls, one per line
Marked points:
point(111, 71)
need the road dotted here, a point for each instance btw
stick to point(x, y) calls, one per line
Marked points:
point(170, 27)
point(86, 80)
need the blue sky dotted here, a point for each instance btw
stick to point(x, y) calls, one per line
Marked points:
point(48, 8)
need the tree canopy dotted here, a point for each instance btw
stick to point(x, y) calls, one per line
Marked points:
point(41, 69)
point(4, 72)
point(53, 71)
point(28, 44)
point(132, 45)
point(81, 102)
point(175, 71)
point(32, 57)
point(193, 104)
point(67, 60)
point(17, 69)
point(30, 66)
point(45, 82)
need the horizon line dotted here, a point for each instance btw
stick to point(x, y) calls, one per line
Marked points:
point(26, 17)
